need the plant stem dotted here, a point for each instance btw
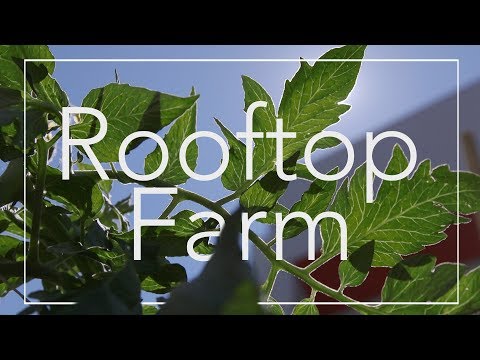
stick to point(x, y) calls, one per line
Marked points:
point(303, 275)
point(270, 282)
point(315, 265)
point(235, 194)
point(271, 242)
point(42, 152)
point(173, 204)
point(54, 139)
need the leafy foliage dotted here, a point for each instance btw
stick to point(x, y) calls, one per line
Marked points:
point(80, 240)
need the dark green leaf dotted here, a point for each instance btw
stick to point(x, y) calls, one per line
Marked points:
point(11, 183)
point(80, 194)
point(12, 135)
point(115, 294)
point(96, 236)
point(11, 250)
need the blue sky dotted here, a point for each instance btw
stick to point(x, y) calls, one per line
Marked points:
point(385, 91)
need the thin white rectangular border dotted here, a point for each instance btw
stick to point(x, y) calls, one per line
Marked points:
point(374, 303)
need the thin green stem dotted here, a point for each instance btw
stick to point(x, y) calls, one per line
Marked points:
point(303, 275)
point(42, 153)
point(271, 242)
point(112, 166)
point(315, 265)
point(54, 139)
point(270, 282)
point(235, 194)
point(173, 204)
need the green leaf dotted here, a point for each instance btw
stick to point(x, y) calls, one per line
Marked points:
point(354, 270)
point(469, 289)
point(271, 219)
point(243, 301)
point(104, 185)
point(303, 173)
point(48, 97)
point(417, 279)
point(469, 190)
point(181, 129)
point(406, 216)
point(310, 103)
point(169, 240)
point(12, 142)
point(264, 194)
point(44, 96)
point(305, 309)
point(264, 120)
point(9, 97)
point(80, 194)
point(314, 201)
point(11, 183)
point(96, 236)
point(113, 216)
point(149, 310)
point(274, 309)
point(311, 100)
point(10, 248)
point(7, 225)
point(215, 290)
point(115, 257)
point(128, 109)
point(235, 173)
point(11, 64)
point(11, 251)
point(43, 91)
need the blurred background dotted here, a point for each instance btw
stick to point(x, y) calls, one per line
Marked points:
point(417, 98)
